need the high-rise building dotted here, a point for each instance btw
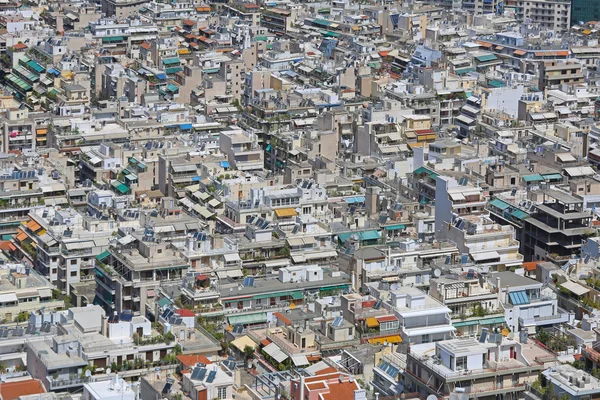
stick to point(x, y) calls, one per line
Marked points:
point(584, 11)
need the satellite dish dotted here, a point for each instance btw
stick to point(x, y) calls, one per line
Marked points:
point(437, 273)
point(108, 371)
point(88, 373)
point(432, 397)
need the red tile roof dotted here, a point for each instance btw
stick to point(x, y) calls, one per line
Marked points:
point(20, 46)
point(185, 313)
point(282, 318)
point(14, 390)
point(530, 266)
point(189, 360)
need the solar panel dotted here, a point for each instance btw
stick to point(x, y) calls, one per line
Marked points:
point(260, 221)
point(483, 336)
point(586, 259)
point(30, 330)
point(230, 364)
point(5, 333)
point(126, 316)
point(377, 305)
point(198, 373)
point(167, 388)
point(248, 281)
point(211, 376)
point(464, 259)
point(296, 229)
point(251, 220)
point(18, 332)
point(518, 298)
point(471, 274)
point(448, 260)
point(309, 185)
point(265, 225)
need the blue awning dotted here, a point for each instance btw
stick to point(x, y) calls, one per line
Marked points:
point(362, 236)
point(185, 127)
point(518, 298)
point(53, 72)
point(171, 61)
point(225, 164)
point(161, 76)
point(356, 199)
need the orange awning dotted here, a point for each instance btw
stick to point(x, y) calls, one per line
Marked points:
point(41, 131)
point(388, 339)
point(519, 52)
point(372, 322)
point(484, 44)
point(12, 247)
point(34, 226)
point(530, 266)
point(21, 236)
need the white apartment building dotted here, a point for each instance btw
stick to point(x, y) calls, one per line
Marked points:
point(422, 318)
point(525, 305)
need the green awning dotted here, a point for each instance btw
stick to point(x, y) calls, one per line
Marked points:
point(164, 302)
point(338, 287)
point(461, 71)
point(519, 214)
point(103, 255)
point(172, 88)
point(362, 236)
point(533, 178)
point(268, 148)
point(423, 170)
point(36, 67)
point(297, 296)
point(112, 39)
point(496, 83)
point(553, 177)
point(171, 61)
point(321, 22)
point(121, 187)
point(270, 295)
point(260, 38)
point(395, 227)
point(248, 319)
point(330, 34)
point(502, 205)
point(483, 321)
point(485, 58)
point(173, 70)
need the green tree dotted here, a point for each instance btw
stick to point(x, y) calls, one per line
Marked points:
point(248, 352)
point(22, 316)
point(549, 393)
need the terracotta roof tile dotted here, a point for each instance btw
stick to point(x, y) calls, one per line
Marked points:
point(14, 390)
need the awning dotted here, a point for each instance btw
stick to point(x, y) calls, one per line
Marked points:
point(297, 296)
point(21, 236)
point(103, 255)
point(232, 257)
point(301, 241)
point(502, 205)
point(553, 177)
point(171, 61)
point(574, 288)
point(248, 319)
point(120, 187)
point(233, 273)
point(457, 197)
point(488, 255)
point(34, 226)
point(243, 341)
point(300, 360)
point(533, 178)
point(372, 322)
point(8, 298)
point(285, 212)
point(430, 330)
point(45, 292)
point(386, 339)
point(395, 227)
point(275, 352)
point(386, 318)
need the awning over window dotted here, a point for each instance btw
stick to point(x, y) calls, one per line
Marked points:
point(275, 352)
point(103, 255)
point(372, 322)
point(488, 255)
point(285, 212)
point(386, 339)
point(395, 227)
point(300, 360)
point(575, 288)
point(8, 298)
point(233, 257)
point(249, 319)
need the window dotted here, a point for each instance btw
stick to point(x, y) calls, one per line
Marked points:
point(461, 363)
point(74, 262)
point(222, 392)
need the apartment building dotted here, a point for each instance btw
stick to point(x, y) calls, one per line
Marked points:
point(129, 274)
point(472, 300)
point(121, 9)
point(526, 305)
point(553, 74)
point(455, 199)
point(554, 15)
point(421, 318)
point(556, 228)
point(485, 368)
point(485, 241)
point(242, 150)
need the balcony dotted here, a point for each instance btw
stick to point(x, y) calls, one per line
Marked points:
point(560, 317)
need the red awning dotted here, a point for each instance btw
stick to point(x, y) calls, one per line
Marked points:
point(201, 277)
point(387, 318)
